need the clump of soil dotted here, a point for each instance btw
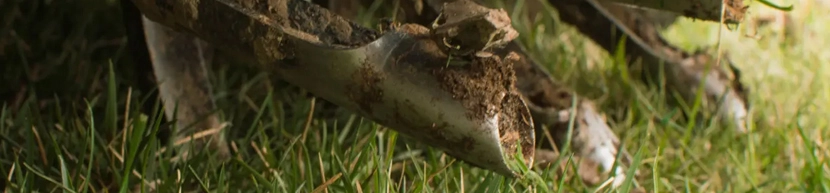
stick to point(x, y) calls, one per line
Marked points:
point(511, 129)
point(484, 85)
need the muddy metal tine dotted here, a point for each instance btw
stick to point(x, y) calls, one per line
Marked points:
point(180, 62)
point(400, 79)
point(552, 104)
point(608, 23)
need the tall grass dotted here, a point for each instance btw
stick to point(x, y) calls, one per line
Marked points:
point(71, 121)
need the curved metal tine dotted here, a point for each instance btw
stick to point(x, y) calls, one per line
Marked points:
point(398, 79)
point(180, 63)
point(686, 71)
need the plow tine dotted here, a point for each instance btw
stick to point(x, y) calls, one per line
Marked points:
point(470, 109)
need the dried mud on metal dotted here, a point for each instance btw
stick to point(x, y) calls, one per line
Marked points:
point(366, 92)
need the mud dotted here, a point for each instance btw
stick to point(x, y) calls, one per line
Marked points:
point(514, 106)
point(484, 85)
point(735, 11)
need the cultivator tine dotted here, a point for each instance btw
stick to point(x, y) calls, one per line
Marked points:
point(547, 100)
point(552, 104)
point(470, 108)
point(610, 23)
point(369, 72)
point(180, 63)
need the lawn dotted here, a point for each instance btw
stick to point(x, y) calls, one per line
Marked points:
point(71, 117)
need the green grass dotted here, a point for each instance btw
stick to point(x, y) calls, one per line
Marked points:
point(70, 124)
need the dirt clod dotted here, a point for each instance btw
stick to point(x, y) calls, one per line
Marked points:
point(486, 88)
point(465, 27)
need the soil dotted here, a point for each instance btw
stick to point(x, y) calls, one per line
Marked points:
point(481, 78)
point(511, 130)
point(484, 85)
point(331, 29)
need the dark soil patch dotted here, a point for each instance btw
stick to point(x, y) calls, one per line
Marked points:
point(328, 27)
point(484, 85)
